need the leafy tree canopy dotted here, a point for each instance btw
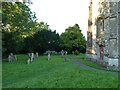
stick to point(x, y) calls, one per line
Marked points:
point(72, 39)
point(18, 22)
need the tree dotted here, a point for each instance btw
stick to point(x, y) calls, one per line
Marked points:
point(44, 39)
point(72, 39)
point(18, 22)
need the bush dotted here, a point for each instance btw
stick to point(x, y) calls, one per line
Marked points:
point(76, 52)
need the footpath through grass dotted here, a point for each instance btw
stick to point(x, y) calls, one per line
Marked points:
point(56, 73)
point(82, 58)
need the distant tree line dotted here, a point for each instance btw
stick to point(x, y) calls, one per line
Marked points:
point(21, 33)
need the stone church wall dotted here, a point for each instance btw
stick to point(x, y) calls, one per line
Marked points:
point(105, 29)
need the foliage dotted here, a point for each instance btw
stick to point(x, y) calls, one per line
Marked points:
point(72, 39)
point(18, 22)
point(42, 41)
point(17, 18)
point(22, 34)
point(76, 52)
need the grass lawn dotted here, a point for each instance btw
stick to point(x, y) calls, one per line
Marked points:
point(56, 73)
point(82, 58)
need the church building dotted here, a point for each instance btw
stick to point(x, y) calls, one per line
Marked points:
point(103, 35)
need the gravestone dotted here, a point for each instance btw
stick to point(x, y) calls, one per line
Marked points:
point(73, 52)
point(28, 61)
point(9, 58)
point(30, 58)
point(48, 56)
point(62, 52)
point(15, 57)
point(65, 53)
point(12, 57)
point(37, 54)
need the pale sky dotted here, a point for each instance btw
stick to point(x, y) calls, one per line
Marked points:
point(60, 14)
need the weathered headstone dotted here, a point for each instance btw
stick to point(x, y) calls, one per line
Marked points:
point(48, 56)
point(36, 54)
point(32, 56)
point(66, 52)
point(12, 57)
point(9, 58)
point(28, 61)
point(62, 52)
point(73, 52)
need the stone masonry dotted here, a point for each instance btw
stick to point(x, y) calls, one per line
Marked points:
point(103, 35)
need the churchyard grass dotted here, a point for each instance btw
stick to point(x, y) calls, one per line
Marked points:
point(82, 58)
point(54, 73)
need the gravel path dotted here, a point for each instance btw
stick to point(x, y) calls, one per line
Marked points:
point(91, 68)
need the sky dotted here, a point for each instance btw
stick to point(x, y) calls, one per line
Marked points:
point(60, 14)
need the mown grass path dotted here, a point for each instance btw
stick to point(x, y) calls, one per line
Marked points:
point(55, 73)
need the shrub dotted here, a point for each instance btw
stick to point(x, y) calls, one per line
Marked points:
point(76, 52)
